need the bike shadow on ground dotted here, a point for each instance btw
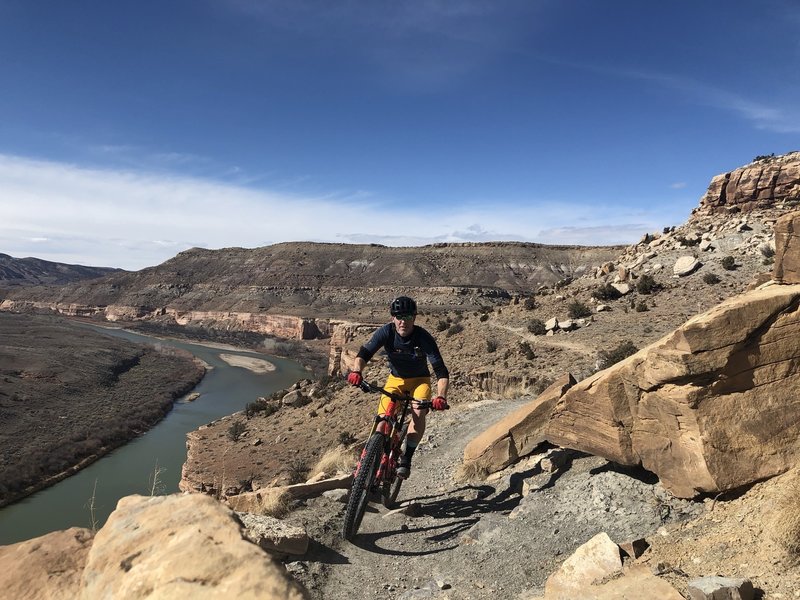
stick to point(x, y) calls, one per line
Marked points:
point(461, 508)
point(379, 542)
point(474, 500)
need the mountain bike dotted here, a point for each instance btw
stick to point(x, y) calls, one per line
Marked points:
point(376, 471)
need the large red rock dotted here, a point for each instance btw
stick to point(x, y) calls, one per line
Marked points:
point(711, 407)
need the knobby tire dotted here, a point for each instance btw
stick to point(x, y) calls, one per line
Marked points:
point(362, 483)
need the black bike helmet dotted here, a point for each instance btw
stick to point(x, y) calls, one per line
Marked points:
point(403, 305)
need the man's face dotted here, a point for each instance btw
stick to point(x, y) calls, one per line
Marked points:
point(404, 324)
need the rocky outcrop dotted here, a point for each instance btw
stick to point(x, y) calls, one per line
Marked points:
point(787, 249)
point(713, 406)
point(49, 566)
point(179, 546)
point(282, 326)
point(516, 435)
point(761, 184)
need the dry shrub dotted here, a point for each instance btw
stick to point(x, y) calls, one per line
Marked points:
point(335, 460)
point(784, 528)
point(274, 502)
point(470, 471)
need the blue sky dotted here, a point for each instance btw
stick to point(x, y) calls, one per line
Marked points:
point(130, 131)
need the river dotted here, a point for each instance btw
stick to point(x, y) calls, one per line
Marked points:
point(130, 469)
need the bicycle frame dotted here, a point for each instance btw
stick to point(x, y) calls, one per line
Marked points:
point(377, 466)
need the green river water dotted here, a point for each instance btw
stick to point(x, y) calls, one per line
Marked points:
point(129, 469)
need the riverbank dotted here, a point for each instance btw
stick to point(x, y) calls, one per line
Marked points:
point(70, 396)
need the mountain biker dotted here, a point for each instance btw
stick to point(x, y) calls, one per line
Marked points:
point(407, 347)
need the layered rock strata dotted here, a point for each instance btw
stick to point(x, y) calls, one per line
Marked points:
point(761, 184)
point(711, 407)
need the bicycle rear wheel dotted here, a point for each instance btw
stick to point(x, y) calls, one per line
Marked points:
point(362, 483)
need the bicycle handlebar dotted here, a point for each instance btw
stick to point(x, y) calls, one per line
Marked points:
point(371, 387)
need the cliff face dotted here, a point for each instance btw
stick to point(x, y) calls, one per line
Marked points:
point(761, 184)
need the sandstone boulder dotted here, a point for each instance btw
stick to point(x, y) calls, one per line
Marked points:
point(45, 567)
point(179, 546)
point(517, 434)
point(787, 249)
point(589, 564)
point(685, 265)
point(274, 535)
point(713, 406)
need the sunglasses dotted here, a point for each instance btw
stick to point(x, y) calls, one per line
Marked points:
point(404, 317)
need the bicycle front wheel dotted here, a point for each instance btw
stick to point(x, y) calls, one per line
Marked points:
point(362, 484)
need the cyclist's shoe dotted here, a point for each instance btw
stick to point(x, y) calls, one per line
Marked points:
point(404, 467)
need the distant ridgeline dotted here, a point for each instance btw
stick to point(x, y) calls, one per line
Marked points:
point(34, 271)
point(314, 280)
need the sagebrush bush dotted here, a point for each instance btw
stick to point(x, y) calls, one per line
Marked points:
point(526, 350)
point(536, 327)
point(728, 263)
point(529, 303)
point(767, 251)
point(483, 318)
point(441, 325)
point(641, 306)
point(646, 284)
point(491, 346)
point(236, 430)
point(711, 278)
point(606, 358)
point(606, 292)
point(260, 407)
point(577, 310)
point(455, 329)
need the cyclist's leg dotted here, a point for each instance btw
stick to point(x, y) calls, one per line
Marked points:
point(421, 390)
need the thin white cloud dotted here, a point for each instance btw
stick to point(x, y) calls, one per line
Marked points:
point(678, 185)
point(770, 117)
point(133, 219)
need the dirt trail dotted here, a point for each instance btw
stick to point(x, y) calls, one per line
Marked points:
point(481, 540)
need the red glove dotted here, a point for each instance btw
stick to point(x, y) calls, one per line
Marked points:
point(354, 378)
point(439, 403)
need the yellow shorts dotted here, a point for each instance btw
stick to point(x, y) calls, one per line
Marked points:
point(418, 387)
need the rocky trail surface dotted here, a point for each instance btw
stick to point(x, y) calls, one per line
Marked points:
point(462, 540)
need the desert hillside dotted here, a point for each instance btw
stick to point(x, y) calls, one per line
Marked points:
point(35, 271)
